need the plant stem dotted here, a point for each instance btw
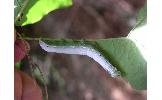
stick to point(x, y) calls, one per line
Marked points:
point(29, 38)
point(39, 38)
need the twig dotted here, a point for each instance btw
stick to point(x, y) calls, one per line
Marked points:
point(30, 39)
point(45, 87)
point(28, 56)
point(31, 63)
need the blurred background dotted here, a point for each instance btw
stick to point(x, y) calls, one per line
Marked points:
point(73, 77)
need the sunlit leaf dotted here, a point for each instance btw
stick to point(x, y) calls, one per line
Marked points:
point(34, 10)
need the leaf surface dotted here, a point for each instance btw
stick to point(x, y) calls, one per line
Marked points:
point(122, 54)
point(35, 10)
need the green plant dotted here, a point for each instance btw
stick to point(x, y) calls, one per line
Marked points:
point(122, 53)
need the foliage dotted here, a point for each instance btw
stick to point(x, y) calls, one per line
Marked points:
point(121, 52)
point(35, 10)
point(142, 17)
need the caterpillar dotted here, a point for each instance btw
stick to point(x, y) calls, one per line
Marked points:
point(82, 50)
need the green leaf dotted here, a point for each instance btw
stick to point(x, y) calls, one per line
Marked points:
point(121, 52)
point(142, 17)
point(127, 58)
point(34, 10)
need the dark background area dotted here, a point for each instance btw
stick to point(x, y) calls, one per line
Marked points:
point(72, 77)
